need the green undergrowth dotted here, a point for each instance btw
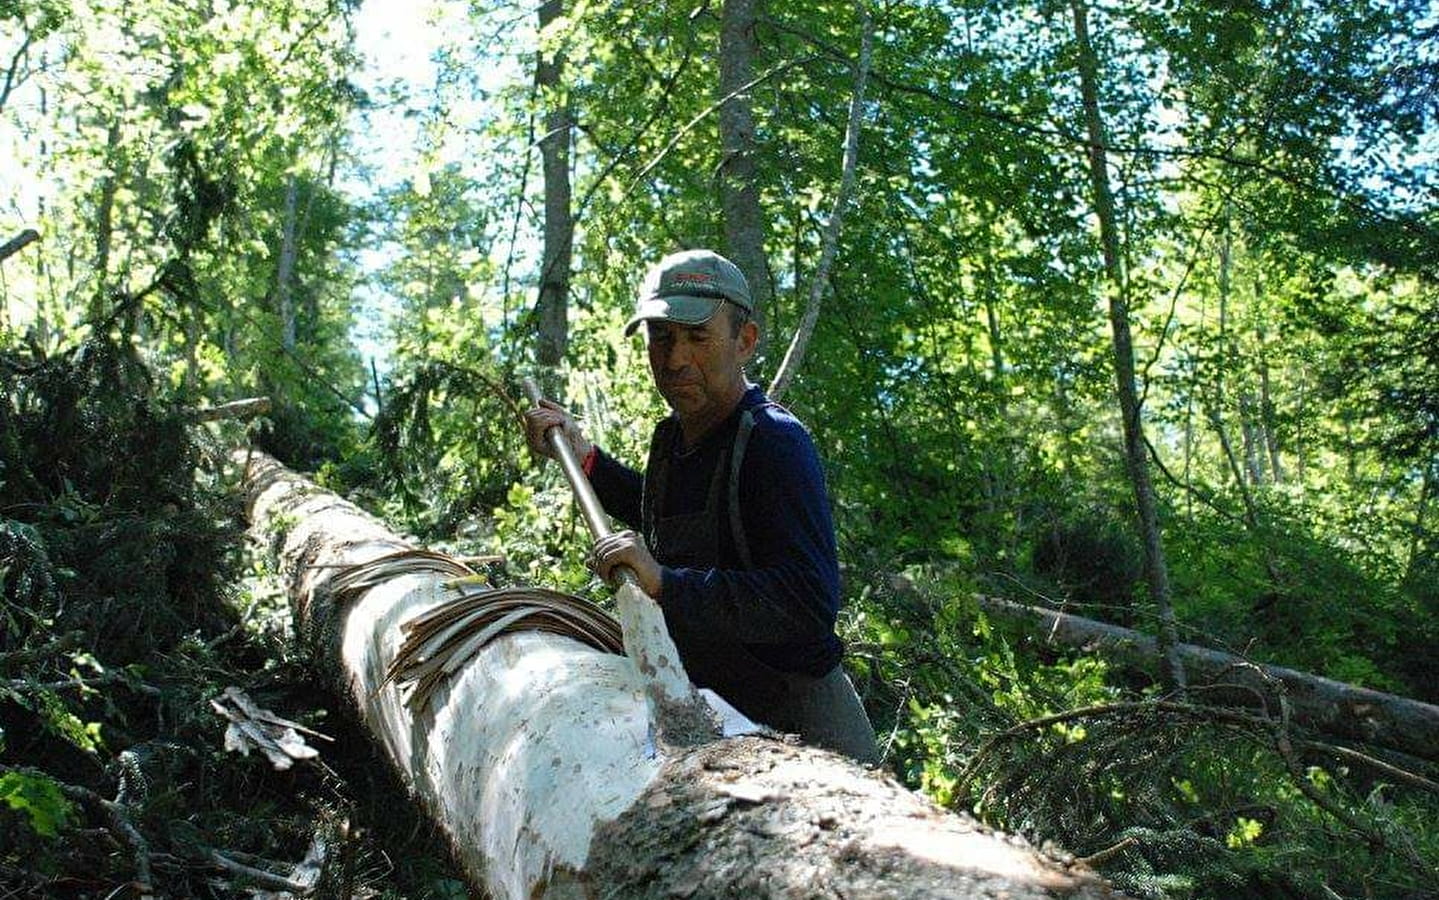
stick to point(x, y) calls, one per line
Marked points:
point(128, 601)
point(1168, 798)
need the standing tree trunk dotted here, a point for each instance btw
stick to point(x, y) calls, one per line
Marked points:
point(552, 308)
point(1419, 538)
point(284, 303)
point(535, 757)
point(1268, 419)
point(743, 218)
point(105, 227)
point(1156, 570)
point(192, 316)
point(1249, 429)
point(989, 291)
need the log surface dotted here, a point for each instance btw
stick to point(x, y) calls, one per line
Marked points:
point(537, 759)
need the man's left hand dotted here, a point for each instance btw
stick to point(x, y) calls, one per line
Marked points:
point(626, 548)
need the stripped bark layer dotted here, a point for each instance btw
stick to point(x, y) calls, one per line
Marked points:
point(536, 758)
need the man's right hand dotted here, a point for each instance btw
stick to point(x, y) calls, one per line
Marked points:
point(548, 414)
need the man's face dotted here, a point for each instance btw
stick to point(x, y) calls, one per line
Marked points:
point(699, 369)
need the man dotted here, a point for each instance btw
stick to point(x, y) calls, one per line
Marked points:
point(735, 541)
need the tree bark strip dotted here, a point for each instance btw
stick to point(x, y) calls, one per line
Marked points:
point(536, 762)
point(1330, 707)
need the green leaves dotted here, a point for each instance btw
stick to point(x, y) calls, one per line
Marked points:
point(39, 798)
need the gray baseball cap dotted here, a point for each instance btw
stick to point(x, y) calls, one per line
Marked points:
point(689, 287)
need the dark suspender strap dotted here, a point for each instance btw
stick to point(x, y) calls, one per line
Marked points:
point(717, 483)
point(736, 522)
point(656, 475)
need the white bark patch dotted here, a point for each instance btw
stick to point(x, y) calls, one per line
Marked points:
point(531, 743)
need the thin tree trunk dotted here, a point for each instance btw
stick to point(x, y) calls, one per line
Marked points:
point(743, 217)
point(1189, 432)
point(1251, 514)
point(1156, 569)
point(1228, 358)
point(284, 304)
point(1249, 430)
point(1301, 412)
point(552, 308)
point(1417, 540)
point(1226, 362)
point(1351, 449)
point(535, 757)
point(105, 227)
point(1066, 415)
point(996, 343)
point(819, 282)
point(1267, 418)
point(14, 76)
point(192, 316)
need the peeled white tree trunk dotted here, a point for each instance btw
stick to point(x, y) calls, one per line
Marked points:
point(536, 757)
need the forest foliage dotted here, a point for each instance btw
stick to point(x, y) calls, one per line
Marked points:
point(210, 226)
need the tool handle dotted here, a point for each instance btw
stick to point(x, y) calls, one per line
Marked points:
point(594, 512)
point(647, 640)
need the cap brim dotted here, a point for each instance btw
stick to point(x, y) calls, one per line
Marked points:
point(684, 309)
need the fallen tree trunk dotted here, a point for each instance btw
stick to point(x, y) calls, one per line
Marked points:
point(536, 759)
point(1317, 703)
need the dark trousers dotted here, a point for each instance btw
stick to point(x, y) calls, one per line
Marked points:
point(825, 712)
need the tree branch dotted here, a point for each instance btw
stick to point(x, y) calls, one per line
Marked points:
point(14, 68)
point(706, 113)
point(1206, 499)
point(236, 409)
point(1301, 780)
point(1224, 155)
point(800, 342)
point(18, 243)
point(120, 824)
point(260, 877)
point(68, 684)
point(68, 641)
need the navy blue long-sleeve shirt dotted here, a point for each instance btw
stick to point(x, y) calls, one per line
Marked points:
point(783, 608)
